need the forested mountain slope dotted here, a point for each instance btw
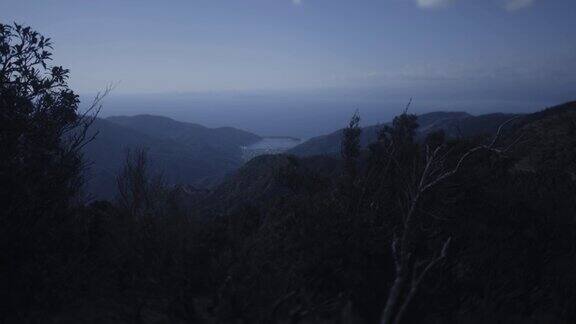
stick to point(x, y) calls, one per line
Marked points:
point(454, 124)
point(184, 153)
point(224, 139)
point(547, 139)
point(317, 238)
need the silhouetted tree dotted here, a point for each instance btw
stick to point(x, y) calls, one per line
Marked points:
point(422, 176)
point(350, 152)
point(350, 146)
point(41, 135)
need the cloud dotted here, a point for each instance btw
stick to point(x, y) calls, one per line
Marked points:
point(510, 5)
point(296, 2)
point(513, 5)
point(432, 3)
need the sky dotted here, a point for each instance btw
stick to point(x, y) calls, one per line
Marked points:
point(442, 51)
point(216, 45)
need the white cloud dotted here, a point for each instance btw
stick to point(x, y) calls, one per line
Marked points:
point(432, 3)
point(513, 5)
point(510, 5)
point(296, 2)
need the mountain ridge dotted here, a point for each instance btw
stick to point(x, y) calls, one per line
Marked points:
point(184, 153)
point(454, 124)
point(264, 177)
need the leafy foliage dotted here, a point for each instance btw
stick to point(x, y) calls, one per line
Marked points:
point(39, 170)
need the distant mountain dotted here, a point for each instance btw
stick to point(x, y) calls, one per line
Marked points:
point(184, 153)
point(330, 144)
point(226, 139)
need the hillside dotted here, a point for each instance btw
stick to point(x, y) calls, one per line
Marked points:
point(184, 153)
point(191, 154)
point(224, 139)
point(547, 141)
point(268, 177)
point(455, 124)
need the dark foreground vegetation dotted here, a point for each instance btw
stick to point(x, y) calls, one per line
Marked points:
point(445, 229)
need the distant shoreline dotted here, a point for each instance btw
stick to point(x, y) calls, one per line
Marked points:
point(296, 139)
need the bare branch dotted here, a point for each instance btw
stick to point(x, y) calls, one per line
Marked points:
point(395, 252)
point(499, 131)
point(440, 257)
point(408, 106)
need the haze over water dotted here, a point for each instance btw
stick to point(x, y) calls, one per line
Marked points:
point(302, 67)
point(296, 114)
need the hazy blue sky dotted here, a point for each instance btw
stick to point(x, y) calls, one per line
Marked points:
point(215, 45)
